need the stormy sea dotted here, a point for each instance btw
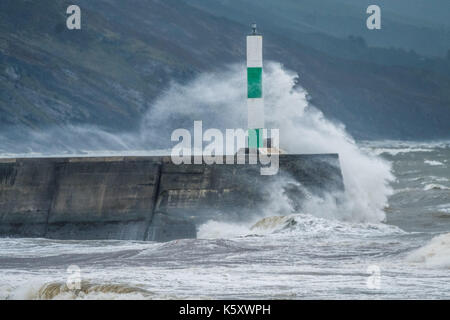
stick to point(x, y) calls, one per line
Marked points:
point(388, 239)
point(303, 255)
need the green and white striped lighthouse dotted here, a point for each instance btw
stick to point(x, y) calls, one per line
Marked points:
point(255, 101)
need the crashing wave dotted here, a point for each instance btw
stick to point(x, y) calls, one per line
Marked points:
point(435, 186)
point(87, 290)
point(309, 225)
point(434, 254)
point(302, 225)
point(274, 224)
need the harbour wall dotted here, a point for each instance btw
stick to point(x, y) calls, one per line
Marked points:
point(147, 198)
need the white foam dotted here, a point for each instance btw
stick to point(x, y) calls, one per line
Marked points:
point(433, 163)
point(405, 146)
point(221, 230)
point(435, 186)
point(396, 151)
point(444, 208)
point(434, 254)
point(303, 225)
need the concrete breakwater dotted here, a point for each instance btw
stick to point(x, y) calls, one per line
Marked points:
point(146, 198)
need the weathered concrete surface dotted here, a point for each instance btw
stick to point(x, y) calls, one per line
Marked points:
point(146, 198)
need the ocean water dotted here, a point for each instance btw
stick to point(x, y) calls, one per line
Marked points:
point(388, 238)
point(283, 255)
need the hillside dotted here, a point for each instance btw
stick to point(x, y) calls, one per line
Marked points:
point(109, 73)
point(419, 25)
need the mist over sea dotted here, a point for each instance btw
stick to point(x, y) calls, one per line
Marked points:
point(388, 238)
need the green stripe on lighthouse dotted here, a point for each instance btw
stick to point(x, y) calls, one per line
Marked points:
point(255, 138)
point(254, 82)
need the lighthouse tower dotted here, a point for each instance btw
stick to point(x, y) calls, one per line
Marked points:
point(255, 101)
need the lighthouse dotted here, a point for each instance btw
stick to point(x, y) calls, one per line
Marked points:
point(255, 101)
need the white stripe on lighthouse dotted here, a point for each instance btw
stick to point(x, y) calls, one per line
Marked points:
point(255, 109)
point(254, 51)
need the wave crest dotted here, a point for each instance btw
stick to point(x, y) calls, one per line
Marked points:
point(302, 225)
point(60, 291)
point(434, 254)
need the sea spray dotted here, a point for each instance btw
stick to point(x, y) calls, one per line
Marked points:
point(219, 101)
